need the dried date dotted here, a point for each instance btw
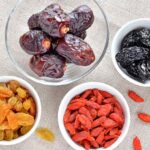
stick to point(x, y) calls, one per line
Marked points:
point(75, 50)
point(52, 66)
point(35, 42)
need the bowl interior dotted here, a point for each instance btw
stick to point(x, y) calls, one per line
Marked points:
point(38, 109)
point(116, 45)
point(97, 37)
point(81, 88)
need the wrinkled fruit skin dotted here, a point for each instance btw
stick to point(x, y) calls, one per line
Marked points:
point(139, 37)
point(33, 22)
point(81, 19)
point(81, 35)
point(53, 19)
point(75, 50)
point(33, 42)
point(52, 66)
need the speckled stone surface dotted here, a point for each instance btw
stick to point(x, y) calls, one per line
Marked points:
point(118, 13)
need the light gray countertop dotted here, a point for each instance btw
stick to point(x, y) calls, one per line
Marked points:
point(118, 13)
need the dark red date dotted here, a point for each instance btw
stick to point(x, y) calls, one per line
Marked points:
point(52, 66)
point(33, 22)
point(54, 21)
point(75, 50)
point(35, 42)
point(81, 19)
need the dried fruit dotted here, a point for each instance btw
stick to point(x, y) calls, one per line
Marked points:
point(21, 92)
point(4, 125)
point(135, 97)
point(52, 66)
point(25, 129)
point(70, 128)
point(100, 138)
point(8, 135)
point(80, 136)
point(93, 104)
point(24, 119)
point(54, 21)
point(117, 118)
point(5, 92)
point(12, 120)
point(35, 42)
point(66, 116)
point(12, 100)
point(18, 106)
point(13, 85)
point(109, 143)
point(45, 134)
point(104, 110)
point(75, 106)
point(32, 108)
point(137, 144)
point(75, 50)
point(98, 122)
point(96, 131)
point(86, 145)
point(81, 19)
point(27, 104)
point(98, 95)
point(144, 117)
point(86, 94)
point(85, 112)
point(1, 135)
point(109, 123)
point(106, 94)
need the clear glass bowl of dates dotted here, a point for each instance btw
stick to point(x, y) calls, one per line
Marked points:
point(57, 42)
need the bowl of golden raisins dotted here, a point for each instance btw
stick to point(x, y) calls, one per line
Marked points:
point(20, 110)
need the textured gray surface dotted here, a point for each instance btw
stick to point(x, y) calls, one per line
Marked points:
point(118, 13)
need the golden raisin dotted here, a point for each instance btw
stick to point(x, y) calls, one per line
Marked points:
point(21, 92)
point(16, 135)
point(45, 134)
point(12, 101)
point(1, 135)
point(8, 135)
point(4, 125)
point(13, 85)
point(25, 129)
point(25, 119)
point(5, 92)
point(33, 108)
point(2, 102)
point(18, 106)
point(27, 104)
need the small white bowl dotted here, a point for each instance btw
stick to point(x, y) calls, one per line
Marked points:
point(116, 44)
point(38, 109)
point(81, 88)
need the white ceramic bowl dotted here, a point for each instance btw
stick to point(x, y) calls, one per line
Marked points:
point(116, 44)
point(81, 88)
point(38, 107)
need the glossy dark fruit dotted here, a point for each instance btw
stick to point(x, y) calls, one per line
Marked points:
point(140, 70)
point(52, 66)
point(139, 37)
point(81, 19)
point(54, 21)
point(75, 50)
point(33, 22)
point(81, 35)
point(127, 56)
point(35, 42)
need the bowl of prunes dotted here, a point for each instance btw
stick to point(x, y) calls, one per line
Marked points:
point(131, 51)
point(56, 42)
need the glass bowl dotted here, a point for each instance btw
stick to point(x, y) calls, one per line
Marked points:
point(97, 37)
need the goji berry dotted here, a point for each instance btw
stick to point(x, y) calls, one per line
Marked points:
point(106, 94)
point(66, 116)
point(134, 96)
point(92, 104)
point(117, 118)
point(98, 121)
point(98, 95)
point(76, 105)
point(72, 117)
point(100, 138)
point(144, 117)
point(70, 128)
point(109, 137)
point(86, 94)
point(86, 145)
point(137, 144)
point(85, 112)
point(96, 131)
point(104, 110)
point(80, 136)
point(109, 143)
point(109, 123)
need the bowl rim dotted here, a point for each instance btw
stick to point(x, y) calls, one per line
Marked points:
point(113, 46)
point(38, 113)
point(98, 3)
point(79, 89)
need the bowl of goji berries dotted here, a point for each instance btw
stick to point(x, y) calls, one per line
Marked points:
point(94, 116)
point(20, 110)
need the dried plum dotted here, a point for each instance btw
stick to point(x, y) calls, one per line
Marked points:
point(35, 42)
point(81, 19)
point(126, 56)
point(52, 66)
point(54, 21)
point(75, 50)
point(81, 35)
point(33, 22)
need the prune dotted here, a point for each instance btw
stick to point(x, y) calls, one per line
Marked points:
point(139, 37)
point(126, 56)
point(81, 19)
point(75, 50)
point(33, 22)
point(35, 42)
point(140, 70)
point(144, 35)
point(52, 66)
point(54, 21)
